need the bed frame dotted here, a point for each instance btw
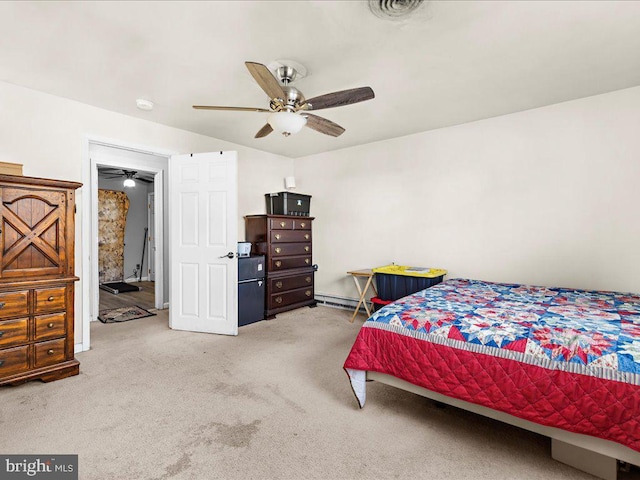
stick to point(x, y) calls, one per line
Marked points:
point(593, 455)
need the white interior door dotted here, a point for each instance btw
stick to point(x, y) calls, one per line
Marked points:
point(203, 224)
point(151, 237)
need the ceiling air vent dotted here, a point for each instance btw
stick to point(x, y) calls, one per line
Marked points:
point(394, 9)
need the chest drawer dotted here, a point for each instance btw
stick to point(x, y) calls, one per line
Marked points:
point(49, 353)
point(284, 263)
point(284, 236)
point(14, 304)
point(281, 223)
point(14, 332)
point(278, 300)
point(301, 224)
point(289, 283)
point(283, 249)
point(50, 326)
point(14, 360)
point(50, 299)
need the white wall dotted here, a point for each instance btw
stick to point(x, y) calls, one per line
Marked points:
point(547, 196)
point(47, 135)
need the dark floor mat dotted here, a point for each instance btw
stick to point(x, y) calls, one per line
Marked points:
point(123, 314)
point(119, 287)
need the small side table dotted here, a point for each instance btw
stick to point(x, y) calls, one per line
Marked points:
point(367, 276)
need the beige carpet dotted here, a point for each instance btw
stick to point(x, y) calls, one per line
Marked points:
point(274, 402)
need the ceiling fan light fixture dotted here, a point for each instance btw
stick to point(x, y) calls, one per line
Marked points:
point(286, 123)
point(129, 181)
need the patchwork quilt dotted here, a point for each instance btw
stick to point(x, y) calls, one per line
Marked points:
point(559, 357)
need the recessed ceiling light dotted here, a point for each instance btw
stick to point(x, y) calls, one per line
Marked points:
point(143, 104)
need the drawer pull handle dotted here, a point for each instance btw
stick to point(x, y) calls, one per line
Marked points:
point(302, 225)
point(278, 299)
point(278, 264)
point(1, 362)
point(1, 333)
point(306, 236)
point(51, 352)
point(51, 298)
point(278, 284)
point(307, 261)
point(278, 249)
point(308, 293)
point(277, 235)
point(306, 249)
point(1, 304)
point(50, 325)
point(282, 224)
point(308, 279)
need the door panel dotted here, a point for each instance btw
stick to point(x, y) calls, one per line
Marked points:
point(189, 290)
point(217, 281)
point(203, 224)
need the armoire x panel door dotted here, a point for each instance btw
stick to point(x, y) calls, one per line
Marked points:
point(33, 233)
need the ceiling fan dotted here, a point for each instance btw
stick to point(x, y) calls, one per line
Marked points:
point(288, 106)
point(130, 176)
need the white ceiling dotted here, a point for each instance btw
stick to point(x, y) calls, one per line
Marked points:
point(450, 63)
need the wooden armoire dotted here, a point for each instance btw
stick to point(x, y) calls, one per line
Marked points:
point(36, 279)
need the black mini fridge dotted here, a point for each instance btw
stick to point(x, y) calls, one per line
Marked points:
point(251, 289)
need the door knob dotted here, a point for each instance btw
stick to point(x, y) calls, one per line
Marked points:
point(228, 255)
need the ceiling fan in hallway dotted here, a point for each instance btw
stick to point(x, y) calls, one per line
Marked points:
point(129, 176)
point(288, 108)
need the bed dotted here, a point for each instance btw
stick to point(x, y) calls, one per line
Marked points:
point(561, 362)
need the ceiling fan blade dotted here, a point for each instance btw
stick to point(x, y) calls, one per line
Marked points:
point(264, 131)
point(338, 99)
point(267, 82)
point(323, 125)
point(144, 180)
point(234, 109)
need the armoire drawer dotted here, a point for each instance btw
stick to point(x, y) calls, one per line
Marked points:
point(14, 304)
point(50, 299)
point(49, 353)
point(284, 263)
point(50, 326)
point(14, 332)
point(283, 284)
point(14, 360)
point(283, 249)
point(284, 236)
point(278, 300)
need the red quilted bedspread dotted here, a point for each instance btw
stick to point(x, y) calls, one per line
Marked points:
point(507, 347)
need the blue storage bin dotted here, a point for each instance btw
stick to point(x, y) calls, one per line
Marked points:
point(404, 280)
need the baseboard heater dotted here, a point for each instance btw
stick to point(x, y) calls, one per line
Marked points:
point(334, 301)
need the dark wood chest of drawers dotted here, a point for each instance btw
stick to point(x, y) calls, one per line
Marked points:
point(36, 279)
point(286, 243)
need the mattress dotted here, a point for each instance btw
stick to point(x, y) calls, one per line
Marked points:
point(559, 357)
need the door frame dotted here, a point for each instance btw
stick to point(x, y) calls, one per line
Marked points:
point(150, 254)
point(89, 215)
